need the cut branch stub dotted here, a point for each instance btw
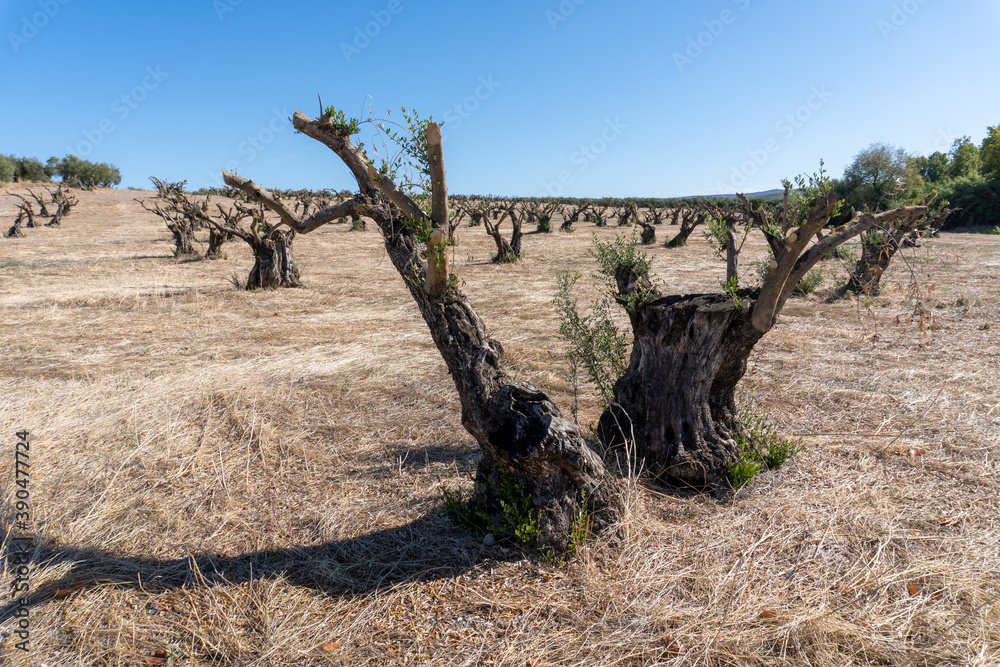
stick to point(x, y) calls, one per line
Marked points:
point(437, 258)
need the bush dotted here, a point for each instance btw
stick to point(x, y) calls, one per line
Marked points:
point(518, 520)
point(761, 448)
point(978, 199)
point(23, 169)
point(596, 344)
point(809, 282)
point(7, 169)
point(89, 174)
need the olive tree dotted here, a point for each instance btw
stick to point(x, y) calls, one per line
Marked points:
point(522, 434)
point(676, 400)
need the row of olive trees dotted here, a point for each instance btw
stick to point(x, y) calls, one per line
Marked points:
point(675, 403)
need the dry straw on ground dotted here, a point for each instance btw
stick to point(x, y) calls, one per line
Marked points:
point(231, 478)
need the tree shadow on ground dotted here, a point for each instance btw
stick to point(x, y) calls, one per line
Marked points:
point(425, 549)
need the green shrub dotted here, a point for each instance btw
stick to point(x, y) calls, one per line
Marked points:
point(760, 446)
point(8, 167)
point(744, 468)
point(596, 344)
point(809, 282)
point(518, 518)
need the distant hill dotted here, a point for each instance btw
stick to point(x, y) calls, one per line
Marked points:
point(777, 193)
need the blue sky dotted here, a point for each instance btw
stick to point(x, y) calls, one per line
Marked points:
point(578, 97)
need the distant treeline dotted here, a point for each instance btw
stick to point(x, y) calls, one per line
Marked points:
point(71, 169)
point(966, 178)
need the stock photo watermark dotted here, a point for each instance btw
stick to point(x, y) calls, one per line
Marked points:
point(463, 110)
point(255, 143)
point(900, 16)
point(585, 156)
point(363, 36)
point(786, 127)
point(122, 108)
point(20, 543)
point(223, 7)
point(562, 13)
point(31, 25)
point(697, 44)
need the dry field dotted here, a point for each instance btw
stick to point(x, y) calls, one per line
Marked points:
point(231, 478)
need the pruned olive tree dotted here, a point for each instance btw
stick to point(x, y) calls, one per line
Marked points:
point(25, 211)
point(64, 203)
point(880, 244)
point(571, 214)
point(219, 233)
point(676, 400)
point(600, 215)
point(543, 214)
point(508, 252)
point(522, 434)
point(690, 217)
point(15, 232)
point(177, 213)
point(274, 265)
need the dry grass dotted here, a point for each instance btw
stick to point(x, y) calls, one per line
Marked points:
point(232, 478)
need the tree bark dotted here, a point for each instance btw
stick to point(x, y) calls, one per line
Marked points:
point(508, 252)
point(676, 400)
point(648, 236)
point(520, 431)
point(15, 230)
point(273, 263)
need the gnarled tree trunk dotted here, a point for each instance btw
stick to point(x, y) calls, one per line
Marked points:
point(690, 219)
point(522, 434)
point(879, 246)
point(676, 400)
point(508, 252)
point(273, 265)
point(15, 230)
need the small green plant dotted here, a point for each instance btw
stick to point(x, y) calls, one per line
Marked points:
point(579, 529)
point(745, 467)
point(544, 225)
point(341, 122)
point(622, 257)
point(996, 231)
point(731, 288)
point(517, 520)
point(809, 282)
point(760, 446)
point(596, 344)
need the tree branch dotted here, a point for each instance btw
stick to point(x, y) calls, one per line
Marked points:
point(299, 224)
